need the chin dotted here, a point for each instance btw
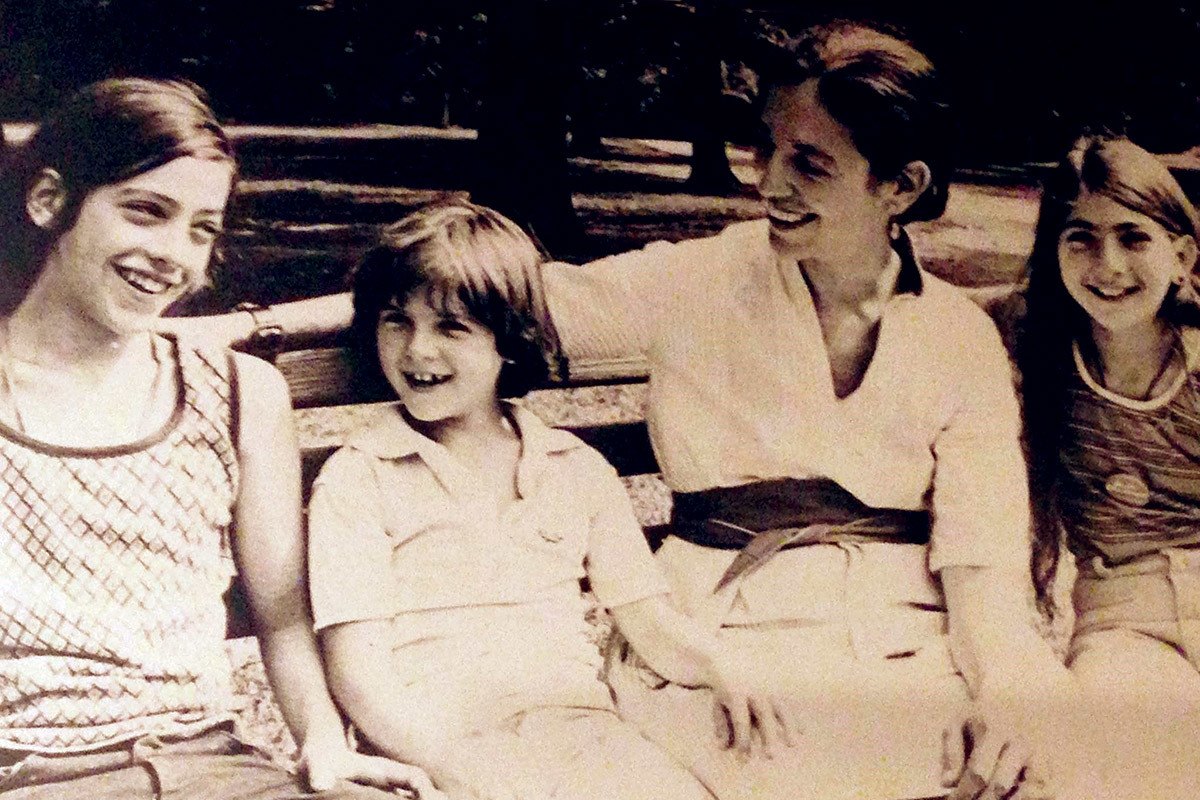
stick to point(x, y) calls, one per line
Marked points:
point(126, 323)
point(786, 246)
point(425, 412)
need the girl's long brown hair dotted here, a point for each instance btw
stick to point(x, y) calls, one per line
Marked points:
point(1120, 170)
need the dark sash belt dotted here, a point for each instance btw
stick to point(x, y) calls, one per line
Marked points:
point(764, 517)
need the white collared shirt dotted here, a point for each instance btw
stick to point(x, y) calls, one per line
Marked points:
point(740, 386)
point(484, 607)
point(396, 525)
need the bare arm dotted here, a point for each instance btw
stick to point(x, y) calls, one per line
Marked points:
point(994, 641)
point(672, 643)
point(627, 580)
point(364, 681)
point(313, 318)
point(269, 548)
point(1018, 732)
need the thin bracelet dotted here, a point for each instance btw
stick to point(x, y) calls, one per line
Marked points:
point(266, 340)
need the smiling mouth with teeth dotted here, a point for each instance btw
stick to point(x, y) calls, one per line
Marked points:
point(425, 380)
point(1105, 293)
point(144, 283)
point(783, 219)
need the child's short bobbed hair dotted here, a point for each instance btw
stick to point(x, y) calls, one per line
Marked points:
point(461, 252)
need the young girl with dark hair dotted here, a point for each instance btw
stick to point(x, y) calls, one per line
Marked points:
point(141, 475)
point(1109, 354)
point(449, 537)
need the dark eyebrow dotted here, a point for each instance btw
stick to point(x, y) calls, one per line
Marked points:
point(147, 193)
point(166, 200)
point(1122, 227)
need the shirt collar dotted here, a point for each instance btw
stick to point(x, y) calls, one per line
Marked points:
point(910, 280)
point(389, 436)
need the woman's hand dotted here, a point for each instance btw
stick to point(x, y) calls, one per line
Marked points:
point(1016, 742)
point(325, 763)
point(745, 711)
point(981, 762)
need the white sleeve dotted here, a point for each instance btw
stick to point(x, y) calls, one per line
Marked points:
point(980, 490)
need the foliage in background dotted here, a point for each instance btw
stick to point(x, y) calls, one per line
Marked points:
point(1026, 74)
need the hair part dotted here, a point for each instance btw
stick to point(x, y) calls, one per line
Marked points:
point(460, 252)
point(1118, 169)
point(105, 133)
point(884, 91)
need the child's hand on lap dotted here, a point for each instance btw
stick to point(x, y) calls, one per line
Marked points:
point(323, 765)
point(744, 711)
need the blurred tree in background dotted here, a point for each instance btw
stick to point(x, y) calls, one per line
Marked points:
point(1025, 74)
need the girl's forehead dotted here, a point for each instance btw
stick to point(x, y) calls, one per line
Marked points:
point(1101, 210)
point(430, 297)
point(197, 184)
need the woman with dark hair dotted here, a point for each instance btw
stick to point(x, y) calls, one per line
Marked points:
point(1109, 354)
point(840, 433)
point(141, 475)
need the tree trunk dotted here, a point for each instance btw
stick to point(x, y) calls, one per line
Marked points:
point(522, 132)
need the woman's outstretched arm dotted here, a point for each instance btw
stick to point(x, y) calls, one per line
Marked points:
point(313, 318)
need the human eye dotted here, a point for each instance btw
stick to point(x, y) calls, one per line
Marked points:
point(1136, 240)
point(454, 326)
point(1078, 238)
point(805, 165)
point(763, 145)
point(144, 211)
point(394, 318)
point(206, 231)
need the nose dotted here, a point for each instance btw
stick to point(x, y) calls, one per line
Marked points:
point(772, 181)
point(174, 250)
point(421, 344)
point(1113, 260)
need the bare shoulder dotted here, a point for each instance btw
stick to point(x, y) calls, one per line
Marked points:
point(259, 381)
point(263, 402)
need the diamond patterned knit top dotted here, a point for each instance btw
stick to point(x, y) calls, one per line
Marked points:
point(113, 565)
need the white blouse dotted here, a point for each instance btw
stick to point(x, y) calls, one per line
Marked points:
point(740, 386)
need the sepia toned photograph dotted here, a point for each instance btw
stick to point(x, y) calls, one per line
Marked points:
point(611, 400)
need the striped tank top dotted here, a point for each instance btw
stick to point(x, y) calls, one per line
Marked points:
point(113, 565)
